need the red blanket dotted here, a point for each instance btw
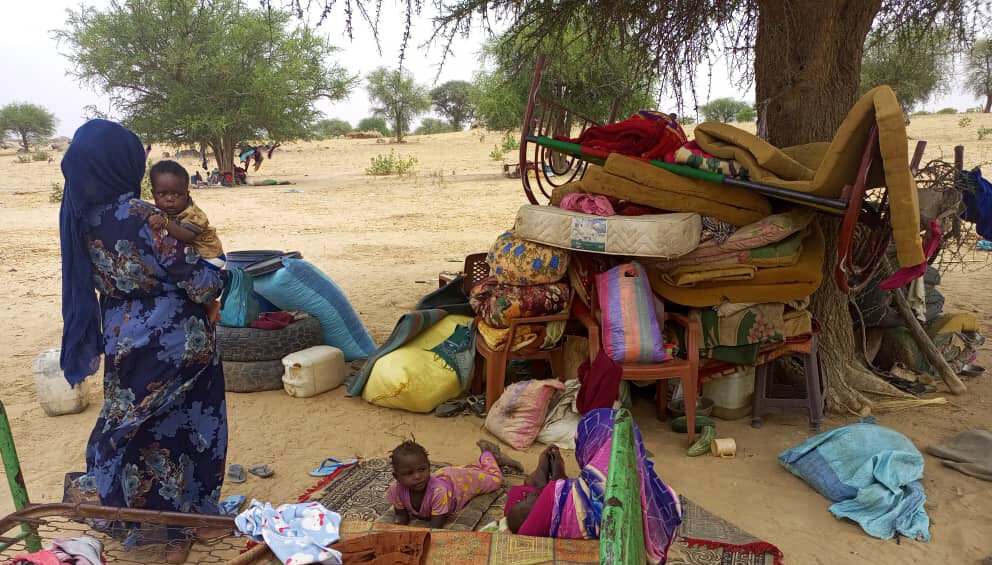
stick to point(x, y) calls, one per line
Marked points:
point(649, 135)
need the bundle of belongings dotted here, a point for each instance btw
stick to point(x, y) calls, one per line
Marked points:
point(631, 238)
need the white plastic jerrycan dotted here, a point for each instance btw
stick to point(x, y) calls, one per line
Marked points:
point(55, 394)
point(312, 371)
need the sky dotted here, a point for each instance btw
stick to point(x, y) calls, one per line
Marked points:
point(34, 70)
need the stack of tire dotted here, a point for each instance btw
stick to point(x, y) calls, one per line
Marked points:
point(253, 358)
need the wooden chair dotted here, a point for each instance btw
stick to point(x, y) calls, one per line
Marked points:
point(687, 370)
point(476, 269)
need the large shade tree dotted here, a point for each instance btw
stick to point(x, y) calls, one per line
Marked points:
point(211, 71)
point(803, 57)
point(453, 101)
point(27, 123)
point(916, 63)
point(978, 69)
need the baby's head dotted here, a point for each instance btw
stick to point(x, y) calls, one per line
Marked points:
point(170, 186)
point(411, 467)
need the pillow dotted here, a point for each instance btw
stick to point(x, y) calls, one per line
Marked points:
point(518, 416)
point(299, 285)
point(630, 331)
point(516, 261)
point(496, 304)
point(414, 377)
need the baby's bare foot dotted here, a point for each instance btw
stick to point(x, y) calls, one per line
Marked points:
point(502, 460)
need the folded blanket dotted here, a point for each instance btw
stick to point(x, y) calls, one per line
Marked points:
point(797, 323)
point(689, 275)
point(775, 284)
point(824, 169)
point(780, 254)
point(651, 136)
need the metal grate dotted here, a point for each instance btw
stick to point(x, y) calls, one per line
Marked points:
point(476, 269)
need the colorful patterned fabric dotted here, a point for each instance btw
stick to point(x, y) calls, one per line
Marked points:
point(595, 204)
point(497, 304)
point(578, 504)
point(739, 337)
point(630, 329)
point(450, 488)
point(692, 155)
point(161, 439)
point(194, 219)
point(516, 261)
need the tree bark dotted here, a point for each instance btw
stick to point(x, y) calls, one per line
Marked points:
point(988, 103)
point(807, 70)
point(807, 66)
point(223, 155)
point(24, 141)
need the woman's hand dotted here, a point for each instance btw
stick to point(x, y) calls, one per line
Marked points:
point(158, 221)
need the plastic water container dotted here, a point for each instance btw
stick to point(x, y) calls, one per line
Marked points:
point(732, 394)
point(55, 394)
point(312, 371)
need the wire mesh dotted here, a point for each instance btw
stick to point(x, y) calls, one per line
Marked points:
point(219, 550)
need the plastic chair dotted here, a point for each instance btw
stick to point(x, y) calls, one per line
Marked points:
point(686, 370)
point(812, 405)
point(477, 268)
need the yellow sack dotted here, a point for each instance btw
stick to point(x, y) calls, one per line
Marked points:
point(413, 377)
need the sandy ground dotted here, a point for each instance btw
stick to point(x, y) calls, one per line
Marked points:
point(384, 240)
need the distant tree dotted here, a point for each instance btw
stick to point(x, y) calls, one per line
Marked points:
point(453, 101)
point(28, 123)
point(978, 71)
point(722, 109)
point(947, 111)
point(588, 84)
point(330, 128)
point(687, 120)
point(374, 124)
point(217, 72)
point(745, 115)
point(434, 125)
point(398, 98)
point(914, 61)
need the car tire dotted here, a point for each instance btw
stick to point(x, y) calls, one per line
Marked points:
point(254, 376)
point(246, 345)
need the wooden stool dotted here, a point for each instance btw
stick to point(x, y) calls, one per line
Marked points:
point(762, 404)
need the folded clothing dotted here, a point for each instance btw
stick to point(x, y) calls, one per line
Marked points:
point(774, 284)
point(779, 254)
point(497, 304)
point(693, 156)
point(296, 533)
point(528, 338)
point(650, 136)
point(403, 547)
point(595, 204)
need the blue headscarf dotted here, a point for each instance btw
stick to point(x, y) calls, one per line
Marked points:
point(104, 162)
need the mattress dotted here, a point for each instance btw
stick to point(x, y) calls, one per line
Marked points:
point(657, 235)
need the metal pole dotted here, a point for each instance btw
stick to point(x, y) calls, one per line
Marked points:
point(18, 491)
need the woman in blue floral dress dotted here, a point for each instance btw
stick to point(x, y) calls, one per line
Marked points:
point(161, 439)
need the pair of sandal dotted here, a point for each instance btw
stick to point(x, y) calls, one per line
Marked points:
point(475, 404)
point(236, 472)
point(331, 465)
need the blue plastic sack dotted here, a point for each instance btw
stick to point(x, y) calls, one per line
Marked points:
point(239, 308)
point(301, 286)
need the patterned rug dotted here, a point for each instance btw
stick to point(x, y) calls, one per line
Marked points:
point(359, 495)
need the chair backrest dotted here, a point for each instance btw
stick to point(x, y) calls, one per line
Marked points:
point(476, 268)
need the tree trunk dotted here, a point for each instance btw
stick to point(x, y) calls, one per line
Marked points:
point(807, 66)
point(24, 141)
point(988, 103)
point(223, 155)
point(807, 70)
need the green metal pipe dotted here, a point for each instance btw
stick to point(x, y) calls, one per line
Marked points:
point(18, 490)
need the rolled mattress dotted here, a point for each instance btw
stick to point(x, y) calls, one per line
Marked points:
point(656, 235)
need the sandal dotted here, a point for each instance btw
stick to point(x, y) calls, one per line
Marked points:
point(477, 404)
point(330, 465)
point(261, 471)
point(450, 408)
point(236, 473)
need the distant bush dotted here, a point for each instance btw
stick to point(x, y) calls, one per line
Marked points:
point(983, 133)
point(975, 110)
point(374, 124)
point(746, 115)
point(39, 156)
point(330, 128)
point(23, 159)
point(947, 111)
point(510, 143)
point(433, 125)
point(922, 113)
point(687, 120)
point(723, 109)
point(964, 122)
point(56, 192)
point(392, 164)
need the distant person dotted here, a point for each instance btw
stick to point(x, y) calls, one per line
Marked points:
point(197, 179)
point(136, 297)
